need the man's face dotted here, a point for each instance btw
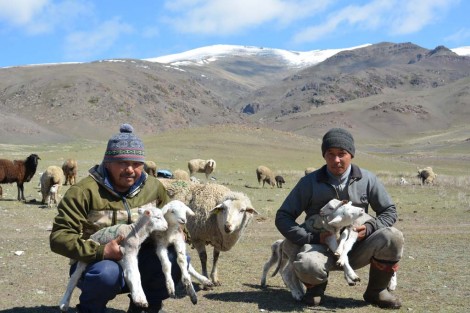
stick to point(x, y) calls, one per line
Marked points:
point(337, 160)
point(123, 174)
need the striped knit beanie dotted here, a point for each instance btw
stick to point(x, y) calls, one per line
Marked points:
point(338, 138)
point(125, 146)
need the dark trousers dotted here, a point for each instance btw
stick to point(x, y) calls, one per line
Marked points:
point(103, 280)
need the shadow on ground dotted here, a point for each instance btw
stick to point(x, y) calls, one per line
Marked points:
point(47, 309)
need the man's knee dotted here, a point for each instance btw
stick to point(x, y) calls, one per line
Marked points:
point(310, 265)
point(392, 243)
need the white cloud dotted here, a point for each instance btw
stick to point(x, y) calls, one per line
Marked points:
point(86, 45)
point(42, 16)
point(224, 17)
point(396, 17)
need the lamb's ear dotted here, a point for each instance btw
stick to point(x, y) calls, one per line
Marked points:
point(141, 211)
point(219, 208)
point(189, 211)
point(252, 211)
point(336, 220)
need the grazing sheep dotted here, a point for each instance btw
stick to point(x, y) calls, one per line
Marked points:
point(175, 213)
point(264, 174)
point(221, 218)
point(426, 175)
point(19, 171)
point(51, 176)
point(133, 235)
point(150, 167)
point(201, 166)
point(279, 181)
point(308, 170)
point(181, 175)
point(334, 216)
point(70, 169)
point(403, 181)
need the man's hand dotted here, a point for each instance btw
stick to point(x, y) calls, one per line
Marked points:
point(361, 232)
point(112, 250)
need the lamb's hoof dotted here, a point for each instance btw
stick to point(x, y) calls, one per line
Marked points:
point(192, 293)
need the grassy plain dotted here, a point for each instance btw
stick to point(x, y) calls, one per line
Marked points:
point(435, 220)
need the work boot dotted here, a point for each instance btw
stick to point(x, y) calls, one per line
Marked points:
point(377, 292)
point(314, 295)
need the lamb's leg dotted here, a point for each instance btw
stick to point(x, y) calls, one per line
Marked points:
point(342, 239)
point(201, 250)
point(349, 274)
point(162, 254)
point(183, 264)
point(73, 280)
point(331, 242)
point(292, 282)
point(274, 259)
point(206, 282)
point(214, 272)
point(131, 271)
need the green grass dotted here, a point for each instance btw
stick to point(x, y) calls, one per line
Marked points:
point(435, 221)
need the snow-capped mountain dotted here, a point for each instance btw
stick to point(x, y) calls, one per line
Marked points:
point(208, 54)
point(204, 55)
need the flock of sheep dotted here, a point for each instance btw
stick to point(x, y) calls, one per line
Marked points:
point(219, 216)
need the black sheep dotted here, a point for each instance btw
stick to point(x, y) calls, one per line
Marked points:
point(279, 181)
point(19, 171)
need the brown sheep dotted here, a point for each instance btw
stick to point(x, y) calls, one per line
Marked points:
point(150, 167)
point(279, 181)
point(264, 174)
point(426, 175)
point(70, 169)
point(53, 175)
point(179, 174)
point(19, 171)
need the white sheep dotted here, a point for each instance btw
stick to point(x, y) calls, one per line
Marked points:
point(221, 218)
point(181, 175)
point(53, 175)
point(150, 219)
point(334, 216)
point(150, 167)
point(175, 213)
point(264, 174)
point(201, 166)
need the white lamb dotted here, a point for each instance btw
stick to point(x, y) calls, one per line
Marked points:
point(201, 166)
point(53, 195)
point(335, 215)
point(150, 219)
point(53, 175)
point(175, 213)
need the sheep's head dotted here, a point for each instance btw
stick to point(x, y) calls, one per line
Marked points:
point(345, 215)
point(176, 212)
point(332, 206)
point(234, 213)
point(155, 219)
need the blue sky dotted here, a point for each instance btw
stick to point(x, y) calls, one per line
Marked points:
point(53, 31)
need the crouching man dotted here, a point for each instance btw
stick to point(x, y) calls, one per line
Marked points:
point(379, 244)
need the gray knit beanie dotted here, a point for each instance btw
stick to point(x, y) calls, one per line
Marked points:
point(125, 146)
point(338, 138)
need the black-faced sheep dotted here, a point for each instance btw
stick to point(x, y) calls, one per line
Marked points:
point(19, 171)
point(70, 169)
point(264, 174)
point(150, 167)
point(426, 175)
point(201, 166)
point(53, 175)
point(221, 217)
point(279, 181)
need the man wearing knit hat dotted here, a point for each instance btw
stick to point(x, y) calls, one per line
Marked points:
point(379, 243)
point(111, 194)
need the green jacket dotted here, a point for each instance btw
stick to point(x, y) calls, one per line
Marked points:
point(90, 205)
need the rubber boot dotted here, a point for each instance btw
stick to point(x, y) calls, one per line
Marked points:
point(314, 294)
point(377, 292)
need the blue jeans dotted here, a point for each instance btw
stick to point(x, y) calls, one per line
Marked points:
point(103, 280)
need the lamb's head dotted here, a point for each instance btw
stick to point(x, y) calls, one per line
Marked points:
point(234, 212)
point(346, 214)
point(154, 218)
point(332, 206)
point(176, 212)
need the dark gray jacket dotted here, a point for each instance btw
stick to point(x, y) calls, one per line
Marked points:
point(313, 191)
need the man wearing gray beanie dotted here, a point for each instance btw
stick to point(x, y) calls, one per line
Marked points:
point(379, 243)
point(111, 194)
